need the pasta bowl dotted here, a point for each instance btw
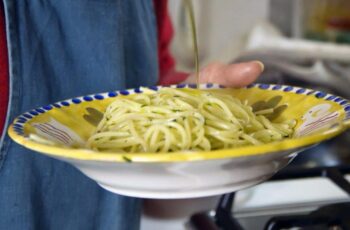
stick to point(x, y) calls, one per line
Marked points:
point(61, 130)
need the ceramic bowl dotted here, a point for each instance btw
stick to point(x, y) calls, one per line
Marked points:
point(60, 130)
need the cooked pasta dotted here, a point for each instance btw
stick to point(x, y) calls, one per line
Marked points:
point(173, 120)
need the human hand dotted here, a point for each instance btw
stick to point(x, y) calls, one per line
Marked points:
point(230, 75)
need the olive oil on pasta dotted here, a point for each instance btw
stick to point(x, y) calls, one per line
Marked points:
point(189, 7)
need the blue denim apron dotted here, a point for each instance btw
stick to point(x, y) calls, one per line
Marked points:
point(60, 49)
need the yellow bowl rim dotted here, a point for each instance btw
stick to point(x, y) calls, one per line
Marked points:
point(89, 155)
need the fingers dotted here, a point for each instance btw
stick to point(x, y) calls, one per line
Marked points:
point(234, 75)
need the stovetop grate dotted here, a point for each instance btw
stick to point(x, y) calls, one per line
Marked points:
point(330, 217)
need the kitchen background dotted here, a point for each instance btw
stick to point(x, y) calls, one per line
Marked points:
point(305, 43)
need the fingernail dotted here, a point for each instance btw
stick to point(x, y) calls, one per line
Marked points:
point(262, 66)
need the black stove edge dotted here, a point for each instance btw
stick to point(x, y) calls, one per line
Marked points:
point(322, 218)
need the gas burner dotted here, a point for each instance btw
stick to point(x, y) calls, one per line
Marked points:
point(331, 217)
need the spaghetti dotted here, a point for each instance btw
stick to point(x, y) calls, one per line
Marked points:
point(173, 120)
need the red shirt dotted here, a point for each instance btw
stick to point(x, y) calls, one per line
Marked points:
point(167, 73)
point(4, 86)
point(166, 61)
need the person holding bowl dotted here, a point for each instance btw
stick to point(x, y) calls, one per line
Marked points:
point(53, 50)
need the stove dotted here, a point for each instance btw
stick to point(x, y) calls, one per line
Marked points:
point(297, 197)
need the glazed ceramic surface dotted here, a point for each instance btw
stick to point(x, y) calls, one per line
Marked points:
point(60, 130)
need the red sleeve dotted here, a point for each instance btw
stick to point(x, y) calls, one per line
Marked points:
point(167, 73)
point(3, 70)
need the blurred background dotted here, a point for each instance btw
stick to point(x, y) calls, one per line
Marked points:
point(303, 43)
point(227, 29)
